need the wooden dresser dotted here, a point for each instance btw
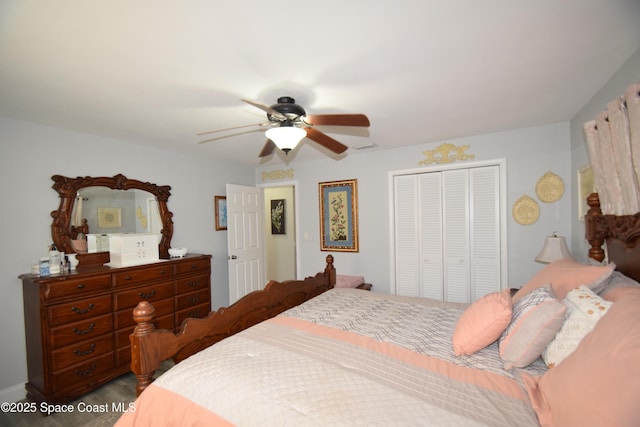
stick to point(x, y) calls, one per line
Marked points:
point(78, 324)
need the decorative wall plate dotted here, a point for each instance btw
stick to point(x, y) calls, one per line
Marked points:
point(525, 210)
point(550, 188)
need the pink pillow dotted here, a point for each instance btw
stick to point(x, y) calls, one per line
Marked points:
point(482, 322)
point(599, 383)
point(566, 275)
point(345, 281)
point(618, 293)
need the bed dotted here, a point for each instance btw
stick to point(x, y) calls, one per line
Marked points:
point(563, 350)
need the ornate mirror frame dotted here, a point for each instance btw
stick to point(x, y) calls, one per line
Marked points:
point(68, 188)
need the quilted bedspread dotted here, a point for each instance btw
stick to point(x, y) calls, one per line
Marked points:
point(345, 358)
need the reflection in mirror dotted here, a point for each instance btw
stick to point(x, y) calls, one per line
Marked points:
point(100, 211)
point(89, 207)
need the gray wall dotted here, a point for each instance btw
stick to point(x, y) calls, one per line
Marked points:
point(31, 154)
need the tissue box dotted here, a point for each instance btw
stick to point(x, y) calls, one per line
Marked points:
point(133, 249)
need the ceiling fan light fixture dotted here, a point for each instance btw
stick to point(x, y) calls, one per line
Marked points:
point(286, 138)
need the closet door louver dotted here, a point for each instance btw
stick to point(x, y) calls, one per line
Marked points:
point(455, 193)
point(430, 214)
point(485, 231)
point(406, 215)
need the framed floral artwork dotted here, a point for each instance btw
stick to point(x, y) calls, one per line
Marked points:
point(339, 216)
point(277, 216)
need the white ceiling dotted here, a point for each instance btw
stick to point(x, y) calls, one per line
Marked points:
point(156, 72)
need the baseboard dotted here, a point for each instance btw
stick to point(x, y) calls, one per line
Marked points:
point(13, 394)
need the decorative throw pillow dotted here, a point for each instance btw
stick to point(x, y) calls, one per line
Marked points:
point(537, 317)
point(584, 309)
point(482, 322)
point(599, 383)
point(565, 275)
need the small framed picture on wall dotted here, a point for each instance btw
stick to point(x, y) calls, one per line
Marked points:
point(278, 216)
point(586, 186)
point(220, 203)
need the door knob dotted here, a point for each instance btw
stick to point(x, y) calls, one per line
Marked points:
point(233, 257)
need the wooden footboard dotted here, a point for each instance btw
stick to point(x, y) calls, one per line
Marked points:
point(150, 347)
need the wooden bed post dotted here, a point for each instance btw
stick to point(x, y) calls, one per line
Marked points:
point(593, 229)
point(143, 315)
point(330, 271)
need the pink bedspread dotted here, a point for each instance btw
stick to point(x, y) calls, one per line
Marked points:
point(345, 358)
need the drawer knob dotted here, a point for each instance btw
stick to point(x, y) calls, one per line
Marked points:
point(193, 299)
point(91, 349)
point(149, 295)
point(91, 327)
point(83, 310)
point(81, 286)
point(193, 283)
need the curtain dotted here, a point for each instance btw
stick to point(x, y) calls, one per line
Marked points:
point(613, 144)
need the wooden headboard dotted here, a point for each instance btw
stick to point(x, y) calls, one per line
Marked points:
point(619, 232)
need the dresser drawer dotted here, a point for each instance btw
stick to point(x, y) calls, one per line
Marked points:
point(196, 311)
point(197, 265)
point(124, 318)
point(131, 298)
point(192, 299)
point(145, 274)
point(85, 329)
point(88, 372)
point(81, 352)
point(79, 310)
point(193, 283)
point(77, 287)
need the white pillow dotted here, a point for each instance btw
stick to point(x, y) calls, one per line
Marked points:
point(584, 309)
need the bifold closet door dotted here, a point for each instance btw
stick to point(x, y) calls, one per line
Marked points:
point(418, 235)
point(484, 222)
point(447, 241)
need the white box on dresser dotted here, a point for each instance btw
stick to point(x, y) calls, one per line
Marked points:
point(133, 249)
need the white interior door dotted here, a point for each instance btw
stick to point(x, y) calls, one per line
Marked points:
point(245, 240)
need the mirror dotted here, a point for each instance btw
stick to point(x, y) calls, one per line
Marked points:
point(90, 206)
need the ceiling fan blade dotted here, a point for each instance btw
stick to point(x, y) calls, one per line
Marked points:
point(266, 108)
point(267, 149)
point(232, 128)
point(326, 141)
point(337, 120)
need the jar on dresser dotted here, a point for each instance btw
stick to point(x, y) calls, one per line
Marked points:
point(77, 323)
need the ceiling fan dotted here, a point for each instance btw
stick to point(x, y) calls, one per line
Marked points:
point(289, 124)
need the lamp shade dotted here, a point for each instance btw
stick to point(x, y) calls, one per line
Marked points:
point(555, 248)
point(286, 137)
